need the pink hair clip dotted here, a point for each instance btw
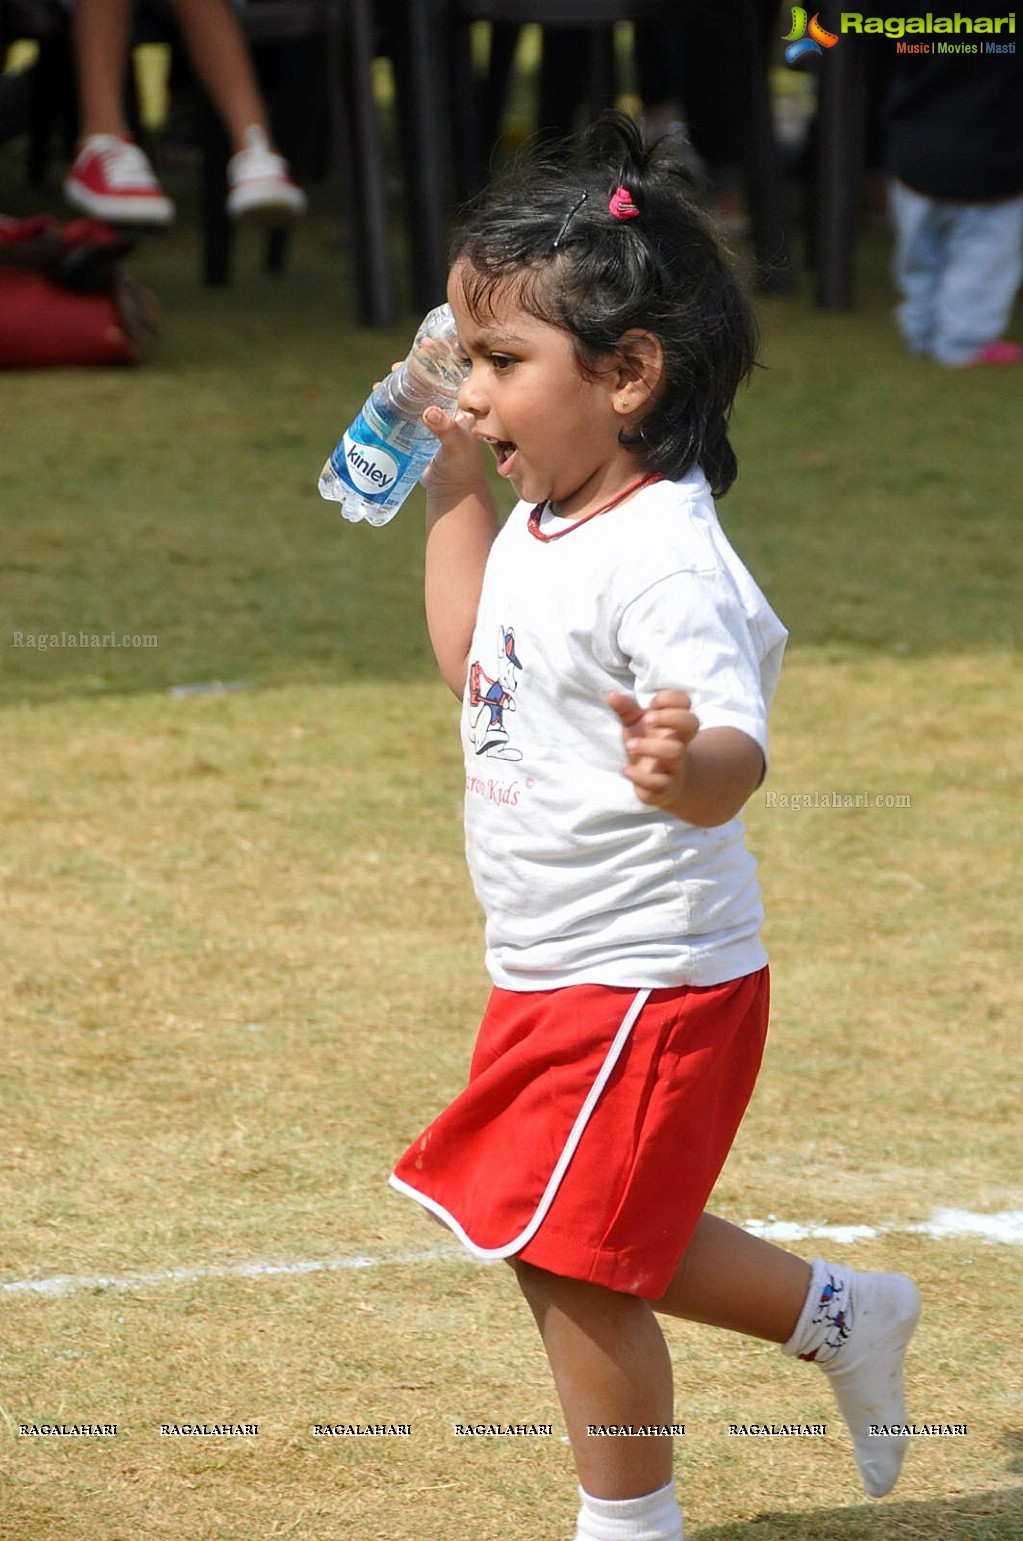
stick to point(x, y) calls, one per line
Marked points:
point(621, 204)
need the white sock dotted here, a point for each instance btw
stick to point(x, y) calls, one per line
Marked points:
point(654, 1517)
point(857, 1327)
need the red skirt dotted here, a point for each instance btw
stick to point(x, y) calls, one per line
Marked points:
point(594, 1126)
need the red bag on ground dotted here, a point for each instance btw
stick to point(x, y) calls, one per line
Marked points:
point(63, 299)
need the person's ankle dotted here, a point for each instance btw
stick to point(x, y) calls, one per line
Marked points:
point(253, 133)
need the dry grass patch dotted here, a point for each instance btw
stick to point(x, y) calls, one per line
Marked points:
point(243, 966)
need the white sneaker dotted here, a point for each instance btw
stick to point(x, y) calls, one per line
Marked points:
point(111, 179)
point(260, 183)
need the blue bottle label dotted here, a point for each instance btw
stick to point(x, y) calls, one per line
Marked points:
point(370, 467)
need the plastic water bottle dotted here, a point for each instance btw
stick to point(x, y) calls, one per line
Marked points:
point(388, 447)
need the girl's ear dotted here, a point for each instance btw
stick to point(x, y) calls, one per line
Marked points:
point(640, 368)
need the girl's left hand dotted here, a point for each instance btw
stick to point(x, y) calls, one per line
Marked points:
point(656, 741)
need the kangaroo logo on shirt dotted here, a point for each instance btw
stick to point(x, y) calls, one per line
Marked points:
point(491, 698)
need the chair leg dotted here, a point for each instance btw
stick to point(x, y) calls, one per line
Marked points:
point(504, 42)
point(53, 102)
point(841, 138)
point(762, 173)
point(601, 70)
point(573, 72)
point(427, 159)
point(366, 208)
point(275, 255)
point(15, 101)
point(217, 231)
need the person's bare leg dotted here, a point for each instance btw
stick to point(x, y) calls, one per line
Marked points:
point(856, 1327)
point(102, 30)
point(220, 57)
point(728, 1278)
point(611, 1366)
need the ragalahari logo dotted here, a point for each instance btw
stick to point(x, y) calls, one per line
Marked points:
point(807, 36)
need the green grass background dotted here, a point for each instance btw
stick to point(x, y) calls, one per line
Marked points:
point(242, 964)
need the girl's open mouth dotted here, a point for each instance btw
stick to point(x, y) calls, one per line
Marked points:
point(504, 452)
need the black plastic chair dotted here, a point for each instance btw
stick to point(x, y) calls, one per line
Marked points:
point(475, 128)
point(293, 36)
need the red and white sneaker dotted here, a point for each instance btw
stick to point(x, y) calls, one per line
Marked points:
point(111, 179)
point(260, 185)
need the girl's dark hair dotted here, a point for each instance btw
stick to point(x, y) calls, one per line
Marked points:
point(572, 264)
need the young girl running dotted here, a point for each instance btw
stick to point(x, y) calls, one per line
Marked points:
point(615, 663)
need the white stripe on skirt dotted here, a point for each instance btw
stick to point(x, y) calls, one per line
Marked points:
point(510, 1248)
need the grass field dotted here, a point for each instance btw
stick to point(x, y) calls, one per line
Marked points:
point(242, 963)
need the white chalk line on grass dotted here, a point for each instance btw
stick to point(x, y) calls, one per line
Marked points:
point(70, 1284)
point(1004, 1227)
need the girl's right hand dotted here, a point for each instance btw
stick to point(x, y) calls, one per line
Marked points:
point(460, 468)
point(461, 526)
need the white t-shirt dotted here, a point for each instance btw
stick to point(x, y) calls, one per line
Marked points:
point(580, 882)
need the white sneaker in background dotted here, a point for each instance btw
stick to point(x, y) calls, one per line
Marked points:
point(260, 183)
